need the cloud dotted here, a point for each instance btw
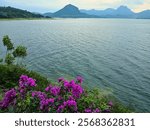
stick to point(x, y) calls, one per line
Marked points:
point(54, 5)
point(142, 7)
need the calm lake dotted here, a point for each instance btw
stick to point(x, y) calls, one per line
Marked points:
point(108, 53)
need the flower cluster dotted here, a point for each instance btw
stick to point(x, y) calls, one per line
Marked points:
point(44, 101)
point(8, 98)
point(67, 96)
point(69, 104)
point(26, 82)
point(73, 87)
point(53, 90)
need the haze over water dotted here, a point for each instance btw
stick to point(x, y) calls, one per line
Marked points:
point(108, 53)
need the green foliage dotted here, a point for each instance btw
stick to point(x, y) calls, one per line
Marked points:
point(9, 12)
point(26, 105)
point(20, 51)
point(92, 99)
point(9, 75)
point(119, 107)
point(96, 98)
point(1, 60)
point(7, 42)
point(9, 59)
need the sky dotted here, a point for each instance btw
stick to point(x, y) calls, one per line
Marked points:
point(43, 6)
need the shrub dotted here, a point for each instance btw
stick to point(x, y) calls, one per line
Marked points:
point(9, 75)
point(9, 59)
point(67, 96)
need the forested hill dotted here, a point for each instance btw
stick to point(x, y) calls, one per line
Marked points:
point(10, 12)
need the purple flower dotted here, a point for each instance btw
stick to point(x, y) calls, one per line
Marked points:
point(72, 83)
point(26, 81)
point(110, 103)
point(8, 98)
point(22, 91)
point(66, 84)
point(31, 82)
point(71, 98)
point(48, 88)
point(77, 90)
point(70, 105)
point(51, 100)
point(55, 90)
point(39, 95)
point(97, 110)
point(61, 79)
point(44, 101)
point(43, 104)
point(74, 88)
point(79, 79)
point(24, 77)
point(88, 110)
point(60, 108)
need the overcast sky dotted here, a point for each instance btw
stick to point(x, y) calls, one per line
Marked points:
point(53, 5)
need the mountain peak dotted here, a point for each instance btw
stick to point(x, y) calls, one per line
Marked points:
point(69, 11)
point(124, 10)
point(70, 6)
point(122, 7)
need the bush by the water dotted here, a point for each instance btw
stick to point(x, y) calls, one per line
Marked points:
point(22, 93)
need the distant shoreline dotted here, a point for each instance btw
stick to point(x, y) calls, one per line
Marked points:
point(26, 19)
point(11, 19)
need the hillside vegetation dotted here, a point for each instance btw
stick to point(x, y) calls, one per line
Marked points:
point(10, 12)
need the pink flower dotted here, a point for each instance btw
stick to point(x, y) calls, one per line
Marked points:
point(110, 103)
point(79, 79)
point(61, 79)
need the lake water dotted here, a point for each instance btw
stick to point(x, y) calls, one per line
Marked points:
point(108, 53)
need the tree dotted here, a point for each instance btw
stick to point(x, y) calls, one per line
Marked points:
point(7, 42)
point(9, 59)
point(20, 52)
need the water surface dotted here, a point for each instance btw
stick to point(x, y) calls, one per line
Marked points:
point(108, 53)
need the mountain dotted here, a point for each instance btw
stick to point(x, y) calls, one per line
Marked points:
point(69, 11)
point(48, 14)
point(124, 12)
point(121, 12)
point(10, 12)
point(143, 15)
point(98, 12)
